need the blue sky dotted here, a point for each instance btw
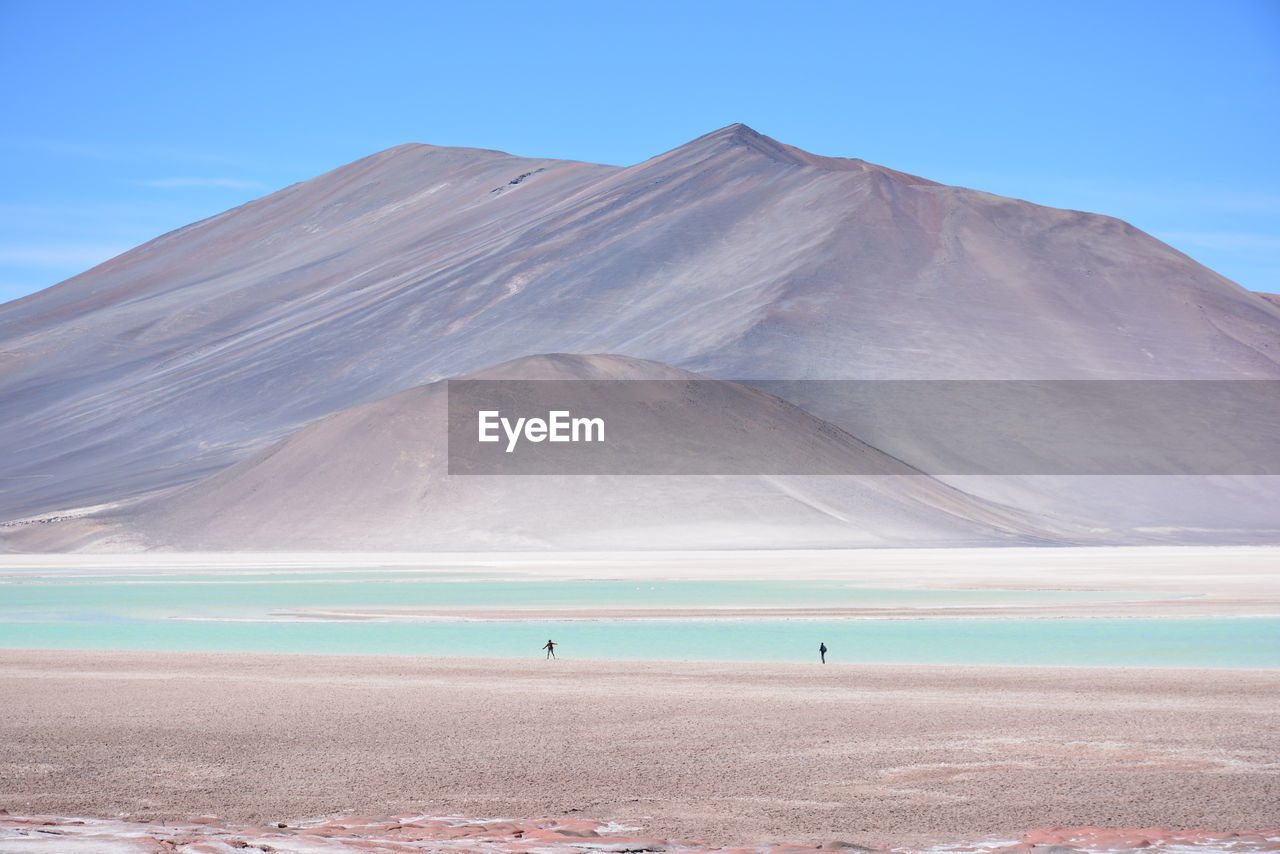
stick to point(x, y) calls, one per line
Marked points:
point(123, 120)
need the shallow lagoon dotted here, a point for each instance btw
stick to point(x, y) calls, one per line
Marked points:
point(240, 612)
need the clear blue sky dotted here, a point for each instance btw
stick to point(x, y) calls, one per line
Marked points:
point(123, 120)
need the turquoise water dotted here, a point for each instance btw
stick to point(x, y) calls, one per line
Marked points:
point(222, 612)
point(249, 594)
point(1163, 642)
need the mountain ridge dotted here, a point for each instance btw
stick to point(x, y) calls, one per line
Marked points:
point(198, 349)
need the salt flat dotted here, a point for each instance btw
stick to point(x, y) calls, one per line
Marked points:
point(724, 752)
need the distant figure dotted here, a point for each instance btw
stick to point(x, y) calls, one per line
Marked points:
point(822, 651)
point(550, 648)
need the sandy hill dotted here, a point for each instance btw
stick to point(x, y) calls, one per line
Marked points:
point(374, 477)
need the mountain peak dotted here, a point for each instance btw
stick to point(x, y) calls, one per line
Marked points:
point(742, 132)
point(739, 137)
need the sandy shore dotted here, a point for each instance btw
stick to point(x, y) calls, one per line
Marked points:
point(1226, 570)
point(729, 753)
point(1190, 606)
point(1185, 581)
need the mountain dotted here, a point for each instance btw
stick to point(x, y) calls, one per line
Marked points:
point(734, 256)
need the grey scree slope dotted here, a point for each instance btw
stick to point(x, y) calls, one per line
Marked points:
point(135, 385)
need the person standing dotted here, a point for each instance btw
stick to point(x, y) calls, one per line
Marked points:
point(822, 651)
point(550, 648)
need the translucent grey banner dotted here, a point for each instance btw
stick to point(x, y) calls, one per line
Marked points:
point(856, 427)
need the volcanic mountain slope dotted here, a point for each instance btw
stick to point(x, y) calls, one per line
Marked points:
point(375, 477)
point(732, 255)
